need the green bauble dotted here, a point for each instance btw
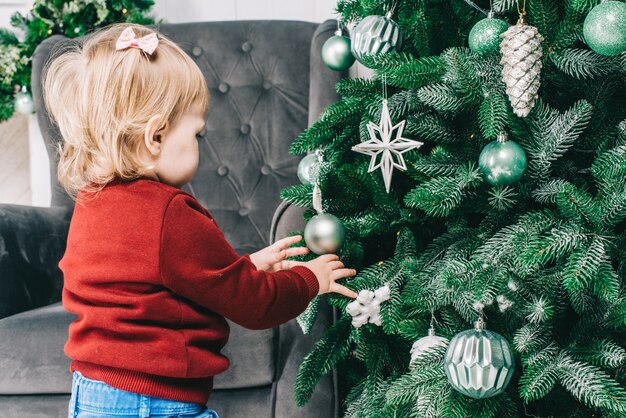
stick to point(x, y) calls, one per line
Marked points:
point(605, 28)
point(479, 363)
point(307, 169)
point(324, 234)
point(485, 35)
point(336, 53)
point(502, 162)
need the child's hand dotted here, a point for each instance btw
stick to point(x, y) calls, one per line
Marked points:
point(328, 269)
point(272, 258)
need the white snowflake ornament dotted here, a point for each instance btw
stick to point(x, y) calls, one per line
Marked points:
point(366, 307)
point(386, 146)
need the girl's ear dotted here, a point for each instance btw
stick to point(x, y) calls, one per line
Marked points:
point(153, 135)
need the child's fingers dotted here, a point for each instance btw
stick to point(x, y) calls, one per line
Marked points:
point(342, 290)
point(334, 265)
point(342, 273)
point(286, 242)
point(290, 252)
point(328, 257)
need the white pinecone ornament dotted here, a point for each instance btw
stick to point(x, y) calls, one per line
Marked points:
point(521, 60)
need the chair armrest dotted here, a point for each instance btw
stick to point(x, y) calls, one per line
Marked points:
point(287, 219)
point(32, 241)
point(322, 79)
point(293, 345)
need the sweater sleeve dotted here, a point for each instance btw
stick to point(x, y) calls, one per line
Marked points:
point(198, 263)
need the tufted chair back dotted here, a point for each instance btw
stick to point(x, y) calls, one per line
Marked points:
point(267, 83)
point(258, 73)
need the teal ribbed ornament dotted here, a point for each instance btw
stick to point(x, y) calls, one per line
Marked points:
point(502, 162)
point(336, 52)
point(605, 28)
point(479, 363)
point(308, 168)
point(484, 37)
point(376, 35)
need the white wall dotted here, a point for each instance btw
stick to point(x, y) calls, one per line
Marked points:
point(175, 11)
point(8, 7)
point(207, 10)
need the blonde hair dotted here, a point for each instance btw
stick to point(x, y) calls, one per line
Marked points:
point(101, 99)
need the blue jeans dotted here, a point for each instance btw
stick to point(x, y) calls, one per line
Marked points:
point(94, 399)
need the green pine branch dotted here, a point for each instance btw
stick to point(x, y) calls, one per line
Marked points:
point(493, 114)
point(553, 134)
point(591, 385)
point(583, 63)
point(329, 126)
point(403, 70)
point(543, 14)
point(332, 348)
point(441, 195)
point(590, 268)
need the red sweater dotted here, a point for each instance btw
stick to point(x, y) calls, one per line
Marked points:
point(151, 278)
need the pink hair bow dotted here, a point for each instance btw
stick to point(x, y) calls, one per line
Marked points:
point(128, 39)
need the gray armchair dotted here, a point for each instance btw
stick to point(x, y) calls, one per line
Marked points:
point(267, 84)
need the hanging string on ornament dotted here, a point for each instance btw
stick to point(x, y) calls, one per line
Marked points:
point(521, 61)
point(337, 51)
point(386, 142)
point(324, 233)
point(428, 342)
point(475, 6)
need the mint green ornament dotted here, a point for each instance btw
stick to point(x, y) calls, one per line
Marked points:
point(336, 52)
point(324, 234)
point(605, 28)
point(502, 161)
point(23, 102)
point(308, 168)
point(484, 38)
point(479, 363)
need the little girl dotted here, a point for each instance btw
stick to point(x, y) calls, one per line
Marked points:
point(147, 270)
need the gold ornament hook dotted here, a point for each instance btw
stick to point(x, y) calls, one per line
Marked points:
point(522, 13)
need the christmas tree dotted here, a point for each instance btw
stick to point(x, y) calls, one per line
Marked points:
point(511, 213)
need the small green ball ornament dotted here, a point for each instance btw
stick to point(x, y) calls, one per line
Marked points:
point(484, 38)
point(336, 52)
point(502, 161)
point(324, 234)
point(308, 168)
point(605, 28)
point(479, 363)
